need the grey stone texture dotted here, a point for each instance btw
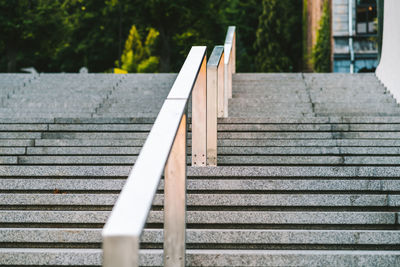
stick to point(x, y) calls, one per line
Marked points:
point(308, 175)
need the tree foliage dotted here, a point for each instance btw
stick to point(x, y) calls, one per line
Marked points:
point(278, 38)
point(65, 35)
point(322, 50)
point(31, 33)
point(137, 56)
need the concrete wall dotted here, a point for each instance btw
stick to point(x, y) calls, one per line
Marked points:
point(388, 70)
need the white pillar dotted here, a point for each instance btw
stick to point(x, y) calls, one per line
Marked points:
point(388, 70)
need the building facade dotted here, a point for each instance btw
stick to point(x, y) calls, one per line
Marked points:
point(354, 29)
point(354, 35)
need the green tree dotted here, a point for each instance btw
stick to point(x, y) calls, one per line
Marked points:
point(96, 38)
point(322, 50)
point(31, 33)
point(138, 57)
point(278, 38)
point(244, 15)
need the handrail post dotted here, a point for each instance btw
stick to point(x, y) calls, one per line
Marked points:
point(230, 58)
point(222, 97)
point(214, 96)
point(234, 52)
point(175, 200)
point(121, 251)
point(228, 77)
point(212, 86)
point(199, 117)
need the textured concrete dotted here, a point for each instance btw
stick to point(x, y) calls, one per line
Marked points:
point(331, 200)
point(66, 171)
point(89, 142)
point(209, 217)
point(211, 183)
point(82, 150)
point(210, 257)
point(82, 160)
point(211, 236)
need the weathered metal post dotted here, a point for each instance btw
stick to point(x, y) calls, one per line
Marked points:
point(212, 103)
point(199, 117)
point(229, 60)
point(175, 201)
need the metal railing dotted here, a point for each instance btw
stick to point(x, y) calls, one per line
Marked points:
point(164, 152)
point(230, 59)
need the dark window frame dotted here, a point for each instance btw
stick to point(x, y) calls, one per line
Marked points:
point(365, 5)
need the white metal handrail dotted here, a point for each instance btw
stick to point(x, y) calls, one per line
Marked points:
point(163, 151)
point(230, 59)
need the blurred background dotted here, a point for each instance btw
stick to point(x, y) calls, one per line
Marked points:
point(155, 35)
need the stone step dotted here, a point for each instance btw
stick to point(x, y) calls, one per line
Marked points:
point(222, 135)
point(106, 120)
point(375, 99)
point(307, 127)
point(353, 110)
point(221, 151)
point(23, 127)
point(210, 217)
point(222, 160)
point(16, 142)
point(211, 236)
point(91, 142)
point(298, 142)
point(94, 135)
point(74, 160)
point(116, 115)
point(339, 105)
point(210, 200)
point(357, 113)
point(261, 101)
point(289, 160)
point(64, 171)
point(8, 160)
point(272, 97)
point(259, 112)
point(93, 257)
point(91, 183)
point(285, 135)
point(273, 110)
point(12, 150)
point(230, 120)
point(221, 143)
point(228, 125)
point(52, 115)
point(321, 119)
point(300, 135)
point(101, 127)
point(221, 171)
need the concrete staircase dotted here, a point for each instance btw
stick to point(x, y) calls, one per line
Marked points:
point(309, 170)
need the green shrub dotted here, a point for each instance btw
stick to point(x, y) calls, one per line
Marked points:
point(137, 57)
point(321, 56)
point(278, 37)
point(149, 65)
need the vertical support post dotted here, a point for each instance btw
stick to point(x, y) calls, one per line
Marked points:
point(222, 97)
point(234, 53)
point(228, 75)
point(121, 251)
point(212, 101)
point(175, 201)
point(199, 117)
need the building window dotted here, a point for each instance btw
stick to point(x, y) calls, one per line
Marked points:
point(367, 17)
